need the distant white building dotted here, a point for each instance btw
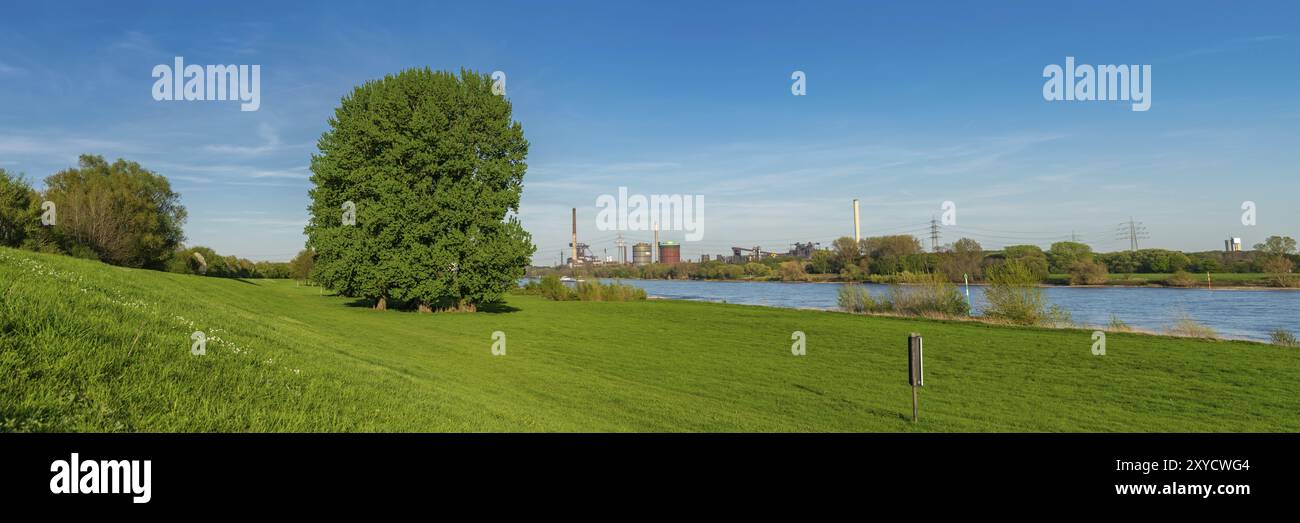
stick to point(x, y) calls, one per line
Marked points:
point(1232, 245)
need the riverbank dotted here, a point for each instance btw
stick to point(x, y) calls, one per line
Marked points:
point(89, 347)
point(1226, 281)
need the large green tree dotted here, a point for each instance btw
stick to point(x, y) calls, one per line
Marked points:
point(120, 212)
point(433, 164)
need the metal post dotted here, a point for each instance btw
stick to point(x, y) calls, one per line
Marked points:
point(914, 409)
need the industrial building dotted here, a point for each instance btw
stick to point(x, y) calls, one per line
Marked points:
point(670, 252)
point(641, 254)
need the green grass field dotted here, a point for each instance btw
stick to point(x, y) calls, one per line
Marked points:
point(90, 347)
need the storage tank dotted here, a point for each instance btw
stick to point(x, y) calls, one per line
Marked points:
point(670, 252)
point(641, 254)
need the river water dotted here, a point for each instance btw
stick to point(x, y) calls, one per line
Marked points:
point(1240, 314)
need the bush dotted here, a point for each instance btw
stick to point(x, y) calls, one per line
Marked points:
point(757, 269)
point(928, 294)
point(1180, 279)
point(793, 271)
point(552, 288)
point(1118, 325)
point(1088, 272)
point(1187, 327)
point(855, 273)
point(1013, 295)
point(856, 298)
point(1284, 338)
point(1058, 317)
point(596, 291)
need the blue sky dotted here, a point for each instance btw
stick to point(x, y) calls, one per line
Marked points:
point(908, 104)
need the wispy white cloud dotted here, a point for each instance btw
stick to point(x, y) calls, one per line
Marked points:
point(297, 173)
point(271, 142)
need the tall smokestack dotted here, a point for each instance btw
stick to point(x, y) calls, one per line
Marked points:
point(857, 227)
point(575, 236)
point(654, 253)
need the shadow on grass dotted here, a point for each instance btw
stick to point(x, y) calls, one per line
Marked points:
point(489, 308)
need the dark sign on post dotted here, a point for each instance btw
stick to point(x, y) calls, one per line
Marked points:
point(915, 368)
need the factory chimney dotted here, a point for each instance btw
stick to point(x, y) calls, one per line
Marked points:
point(857, 228)
point(575, 236)
point(655, 252)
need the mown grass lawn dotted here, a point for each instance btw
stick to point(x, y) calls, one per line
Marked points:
point(90, 347)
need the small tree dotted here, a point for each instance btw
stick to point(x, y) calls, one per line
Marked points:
point(1062, 256)
point(300, 266)
point(793, 271)
point(963, 259)
point(1279, 270)
point(845, 253)
point(1031, 258)
point(1088, 272)
point(1013, 295)
point(1277, 246)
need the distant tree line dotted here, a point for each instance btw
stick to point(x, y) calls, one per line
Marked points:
point(889, 259)
point(119, 213)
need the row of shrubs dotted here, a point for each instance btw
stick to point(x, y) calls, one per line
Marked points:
point(1013, 296)
point(923, 295)
point(551, 288)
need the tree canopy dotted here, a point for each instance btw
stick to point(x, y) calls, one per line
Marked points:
point(433, 164)
point(121, 213)
point(19, 210)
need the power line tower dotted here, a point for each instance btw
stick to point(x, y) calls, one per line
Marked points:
point(1132, 231)
point(622, 248)
point(934, 234)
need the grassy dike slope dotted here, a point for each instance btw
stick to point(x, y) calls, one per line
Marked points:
point(90, 347)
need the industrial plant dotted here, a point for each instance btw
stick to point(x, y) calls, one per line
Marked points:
point(644, 253)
